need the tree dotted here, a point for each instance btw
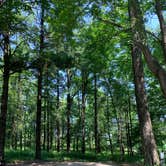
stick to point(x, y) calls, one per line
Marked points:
point(39, 93)
point(149, 144)
point(7, 30)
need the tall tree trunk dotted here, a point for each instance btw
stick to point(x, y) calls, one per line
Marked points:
point(149, 145)
point(148, 141)
point(57, 118)
point(68, 139)
point(39, 91)
point(97, 147)
point(4, 98)
point(84, 82)
point(162, 24)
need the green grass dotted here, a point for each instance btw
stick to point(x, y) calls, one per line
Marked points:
point(12, 156)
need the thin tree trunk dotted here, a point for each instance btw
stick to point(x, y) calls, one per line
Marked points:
point(83, 109)
point(38, 118)
point(48, 125)
point(108, 124)
point(130, 126)
point(21, 140)
point(39, 93)
point(57, 118)
point(4, 99)
point(68, 139)
point(44, 125)
point(51, 132)
point(149, 145)
point(97, 148)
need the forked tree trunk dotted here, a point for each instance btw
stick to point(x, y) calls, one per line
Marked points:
point(137, 26)
point(149, 145)
point(4, 99)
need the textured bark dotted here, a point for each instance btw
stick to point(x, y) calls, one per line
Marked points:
point(138, 28)
point(39, 91)
point(162, 24)
point(149, 145)
point(155, 67)
point(4, 99)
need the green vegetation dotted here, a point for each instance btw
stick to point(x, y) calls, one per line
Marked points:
point(82, 80)
point(28, 155)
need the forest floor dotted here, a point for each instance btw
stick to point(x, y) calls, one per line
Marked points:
point(35, 163)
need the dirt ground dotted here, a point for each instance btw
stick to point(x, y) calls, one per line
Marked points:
point(67, 164)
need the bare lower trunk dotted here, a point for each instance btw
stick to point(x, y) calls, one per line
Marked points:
point(4, 99)
point(148, 141)
point(39, 91)
point(83, 109)
point(38, 118)
point(97, 144)
point(57, 120)
point(139, 39)
point(69, 100)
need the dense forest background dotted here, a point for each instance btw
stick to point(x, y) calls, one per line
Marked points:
point(84, 76)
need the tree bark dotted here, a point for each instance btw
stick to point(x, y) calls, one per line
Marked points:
point(97, 144)
point(84, 82)
point(38, 117)
point(4, 98)
point(57, 118)
point(39, 93)
point(69, 100)
point(149, 145)
point(138, 26)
